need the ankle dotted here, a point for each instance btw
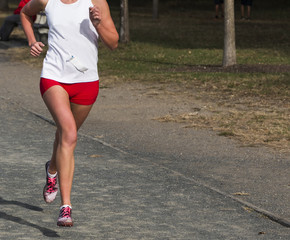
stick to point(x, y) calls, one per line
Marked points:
point(51, 174)
point(65, 205)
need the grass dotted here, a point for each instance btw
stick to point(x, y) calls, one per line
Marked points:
point(183, 51)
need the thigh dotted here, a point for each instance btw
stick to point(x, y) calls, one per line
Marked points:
point(80, 113)
point(13, 19)
point(58, 104)
point(64, 102)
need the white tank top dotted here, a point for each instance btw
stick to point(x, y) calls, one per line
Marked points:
point(71, 36)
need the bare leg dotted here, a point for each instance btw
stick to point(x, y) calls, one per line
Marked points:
point(9, 24)
point(52, 165)
point(242, 11)
point(249, 12)
point(216, 10)
point(68, 118)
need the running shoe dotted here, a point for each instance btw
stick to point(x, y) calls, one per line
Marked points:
point(50, 189)
point(64, 219)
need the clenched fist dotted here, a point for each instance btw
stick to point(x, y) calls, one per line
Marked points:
point(36, 48)
point(95, 15)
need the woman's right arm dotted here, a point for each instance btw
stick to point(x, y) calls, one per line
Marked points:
point(28, 11)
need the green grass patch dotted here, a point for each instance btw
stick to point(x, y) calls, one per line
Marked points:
point(186, 47)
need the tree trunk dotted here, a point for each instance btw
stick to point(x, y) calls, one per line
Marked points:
point(229, 57)
point(155, 9)
point(124, 23)
point(4, 5)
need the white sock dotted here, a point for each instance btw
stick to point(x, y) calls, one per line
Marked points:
point(65, 206)
point(51, 175)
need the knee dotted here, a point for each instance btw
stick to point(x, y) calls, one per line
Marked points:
point(68, 137)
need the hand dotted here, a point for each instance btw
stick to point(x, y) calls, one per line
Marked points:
point(95, 15)
point(36, 49)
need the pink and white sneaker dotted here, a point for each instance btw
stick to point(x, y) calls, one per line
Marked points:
point(64, 219)
point(51, 188)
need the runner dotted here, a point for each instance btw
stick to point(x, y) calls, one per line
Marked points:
point(69, 81)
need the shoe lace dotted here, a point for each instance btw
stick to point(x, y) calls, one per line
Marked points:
point(51, 184)
point(65, 212)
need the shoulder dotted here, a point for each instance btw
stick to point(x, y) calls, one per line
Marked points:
point(101, 3)
point(43, 2)
point(34, 6)
point(39, 3)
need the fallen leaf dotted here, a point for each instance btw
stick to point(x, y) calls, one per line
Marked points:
point(241, 194)
point(95, 156)
point(248, 209)
point(99, 136)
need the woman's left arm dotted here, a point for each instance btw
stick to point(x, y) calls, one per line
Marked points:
point(101, 19)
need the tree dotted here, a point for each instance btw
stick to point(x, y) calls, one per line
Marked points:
point(155, 8)
point(124, 23)
point(229, 57)
point(4, 5)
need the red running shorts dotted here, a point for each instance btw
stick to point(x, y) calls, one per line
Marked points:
point(79, 93)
